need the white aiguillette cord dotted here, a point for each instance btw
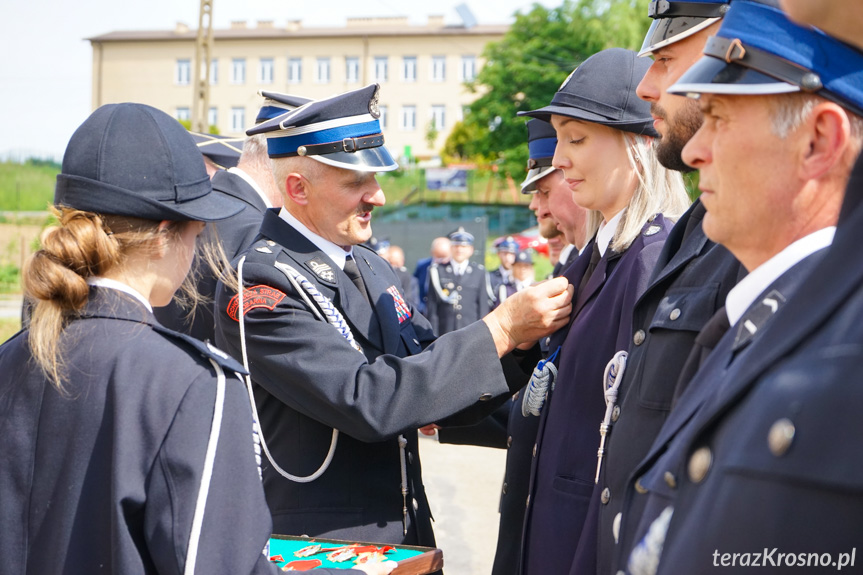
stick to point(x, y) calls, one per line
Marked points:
point(329, 313)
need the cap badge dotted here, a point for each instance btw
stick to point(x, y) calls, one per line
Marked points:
point(374, 108)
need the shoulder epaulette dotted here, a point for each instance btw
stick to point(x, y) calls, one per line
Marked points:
point(207, 350)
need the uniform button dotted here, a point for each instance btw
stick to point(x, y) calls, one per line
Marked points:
point(670, 480)
point(458, 316)
point(509, 441)
point(615, 527)
point(615, 414)
point(416, 505)
point(458, 288)
point(639, 487)
point(675, 313)
point(548, 340)
point(416, 341)
point(503, 489)
point(534, 449)
point(638, 338)
point(410, 457)
point(527, 502)
point(485, 397)
point(780, 437)
point(699, 464)
point(606, 496)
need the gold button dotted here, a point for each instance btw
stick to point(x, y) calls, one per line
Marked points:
point(699, 464)
point(675, 313)
point(509, 441)
point(639, 487)
point(638, 338)
point(615, 414)
point(780, 437)
point(606, 496)
point(670, 480)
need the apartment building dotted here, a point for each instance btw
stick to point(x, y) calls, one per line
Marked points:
point(421, 70)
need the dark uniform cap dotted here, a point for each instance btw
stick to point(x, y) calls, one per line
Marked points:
point(674, 21)
point(758, 50)
point(134, 160)
point(276, 104)
point(224, 151)
point(524, 257)
point(461, 237)
point(602, 91)
point(343, 131)
point(541, 141)
point(508, 244)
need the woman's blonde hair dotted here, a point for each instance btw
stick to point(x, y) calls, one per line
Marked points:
point(659, 191)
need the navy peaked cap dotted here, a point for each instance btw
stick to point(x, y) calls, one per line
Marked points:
point(674, 21)
point(276, 104)
point(541, 142)
point(508, 244)
point(224, 151)
point(134, 160)
point(461, 237)
point(524, 257)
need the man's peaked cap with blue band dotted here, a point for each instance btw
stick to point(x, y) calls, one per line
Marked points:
point(758, 50)
point(508, 244)
point(461, 237)
point(675, 20)
point(343, 131)
point(135, 160)
point(277, 104)
point(541, 141)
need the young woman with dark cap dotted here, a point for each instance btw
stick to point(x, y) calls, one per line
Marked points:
point(127, 448)
point(604, 148)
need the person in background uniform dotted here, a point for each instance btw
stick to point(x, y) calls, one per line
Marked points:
point(343, 370)
point(127, 447)
point(604, 149)
point(441, 251)
point(522, 272)
point(747, 460)
point(396, 256)
point(692, 278)
point(458, 293)
point(501, 278)
point(250, 182)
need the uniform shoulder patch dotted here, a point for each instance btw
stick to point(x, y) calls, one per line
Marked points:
point(254, 297)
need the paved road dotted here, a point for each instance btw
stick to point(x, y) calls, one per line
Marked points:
point(10, 306)
point(463, 487)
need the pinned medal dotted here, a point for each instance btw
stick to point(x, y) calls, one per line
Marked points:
point(540, 382)
point(402, 309)
point(652, 230)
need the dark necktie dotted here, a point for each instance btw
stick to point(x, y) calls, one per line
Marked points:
point(595, 256)
point(353, 272)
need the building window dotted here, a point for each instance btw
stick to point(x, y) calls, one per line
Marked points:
point(468, 68)
point(295, 70)
point(213, 117)
point(183, 114)
point(214, 72)
point(183, 73)
point(352, 70)
point(438, 114)
point(383, 118)
point(381, 68)
point(266, 71)
point(238, 119)
point(438, 69)
point(238, 71)
point(409, 69)
point(409, 118)
point(322, 71)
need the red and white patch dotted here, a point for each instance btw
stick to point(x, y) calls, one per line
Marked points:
point(254, 297)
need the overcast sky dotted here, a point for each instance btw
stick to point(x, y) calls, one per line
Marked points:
point(45, 61)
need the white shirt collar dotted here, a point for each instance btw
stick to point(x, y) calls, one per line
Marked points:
point(750, 287)
point(459, 268)
point(119, 286)
point(333, 251)
point(248, 179)
point(564, 253)
point(606, 232)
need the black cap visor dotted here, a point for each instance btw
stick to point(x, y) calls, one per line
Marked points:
point(376, 159)
point(665, 31)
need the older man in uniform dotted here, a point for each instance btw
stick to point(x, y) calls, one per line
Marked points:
point(690, 282)
point(344, 370)
point(458, 291)
point(746, 471)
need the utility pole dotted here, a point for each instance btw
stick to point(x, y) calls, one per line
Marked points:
point(203, 57)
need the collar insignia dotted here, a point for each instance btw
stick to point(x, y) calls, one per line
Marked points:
point(322, 269)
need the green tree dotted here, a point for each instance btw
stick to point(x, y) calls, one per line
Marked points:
point(526, 67)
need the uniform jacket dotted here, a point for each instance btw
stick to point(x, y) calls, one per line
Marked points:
point(309, 379)
point(235, 234)
point(460, 301)
point(737, 458)
point(690, 282)
point(104, 478)
point(410, 285)
point(564, 467)
point(496, 280)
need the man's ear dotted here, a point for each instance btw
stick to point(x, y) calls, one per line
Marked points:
point(829, 135)
point(297, 188)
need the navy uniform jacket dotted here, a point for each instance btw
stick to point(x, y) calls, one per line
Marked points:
point(564, 468)
point(665, 468)
point(690, 282)
point(235, 234)
point(496, 280)
point(104, 478)
point(461, 300)
point(783, 433)
point(309, 380)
